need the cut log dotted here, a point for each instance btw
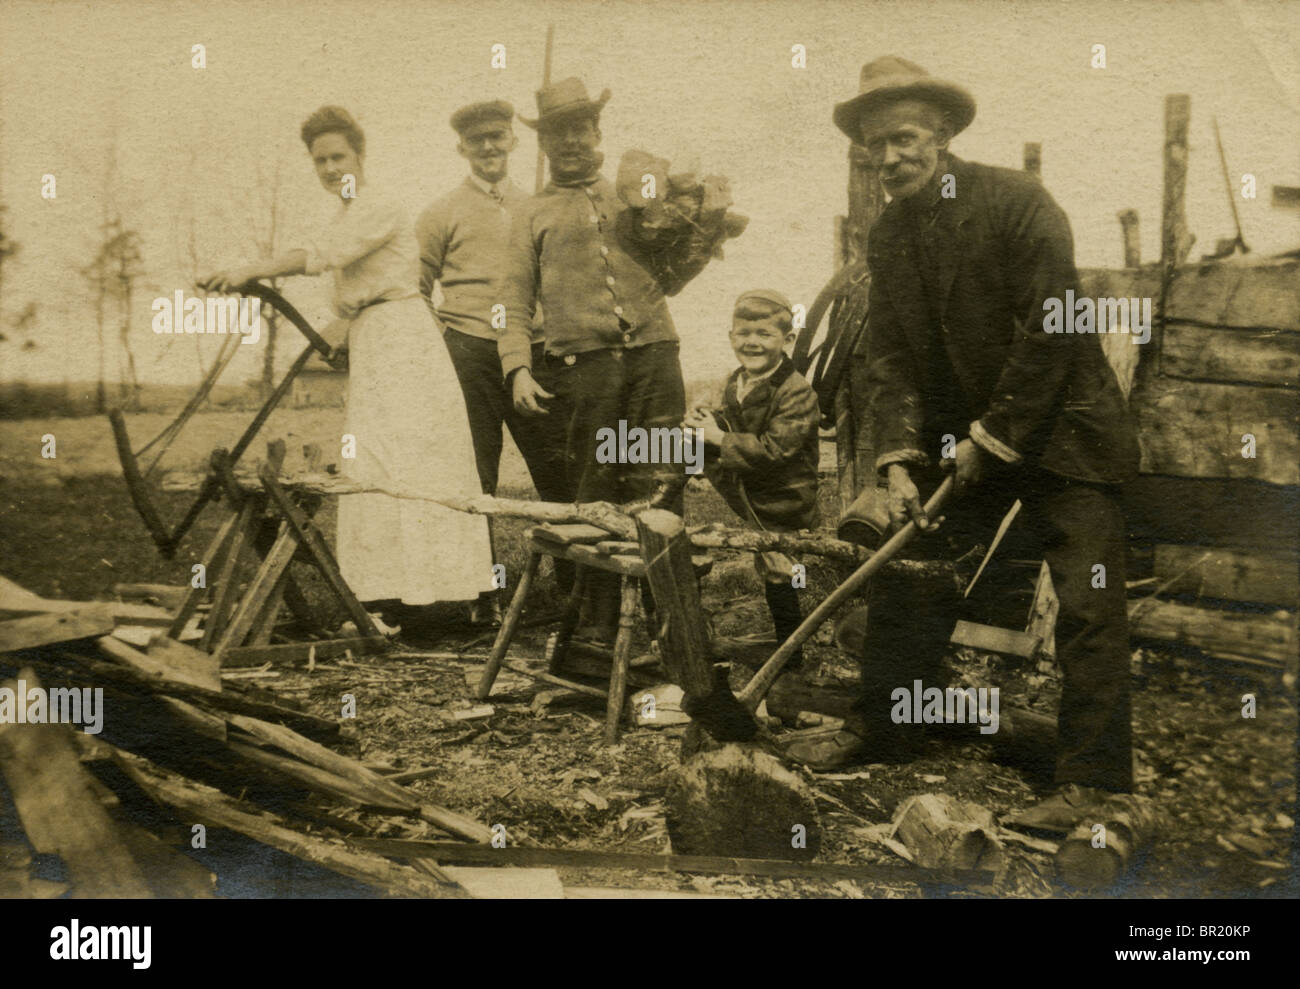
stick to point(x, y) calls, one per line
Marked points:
point(740, 801)
point(1234, 575)
point(46, 629)
point(597, 516)
point(943, 832)
point(59, 811)
point(1098, 853)
point(1227, 634)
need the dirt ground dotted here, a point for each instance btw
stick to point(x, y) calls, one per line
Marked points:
point(1226, 782)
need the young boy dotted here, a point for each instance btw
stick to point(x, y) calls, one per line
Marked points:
point(761, 447)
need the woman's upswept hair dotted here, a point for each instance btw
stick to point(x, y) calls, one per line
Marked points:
point(334, 120)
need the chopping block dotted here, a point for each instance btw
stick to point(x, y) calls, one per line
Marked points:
point(736, 800)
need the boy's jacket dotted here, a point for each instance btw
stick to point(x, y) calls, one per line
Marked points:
point(766, 469)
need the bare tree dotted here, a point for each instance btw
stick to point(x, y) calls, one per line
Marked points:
point(112, 274)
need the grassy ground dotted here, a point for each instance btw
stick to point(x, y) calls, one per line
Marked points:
point(1226, 781)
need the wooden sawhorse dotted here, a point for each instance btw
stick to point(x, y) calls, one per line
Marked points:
point(589, 547)
point(269, 523)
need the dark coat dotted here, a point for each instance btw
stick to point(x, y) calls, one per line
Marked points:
point(769, 455)
point(1001, 247)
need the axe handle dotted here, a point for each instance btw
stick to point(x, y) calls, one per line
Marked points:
point(757, 688)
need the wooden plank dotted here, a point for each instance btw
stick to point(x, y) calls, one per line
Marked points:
point(1195, 429)
point(354, 772)
point(210, 806)
point(293, 652)
point(164, 663)
point(189, 665)
point(46, 629)
point(264, 582)
point(1235, 575)
point(1263, 294)
point(1215, 353)
point(508, 884)
point(131, 677)
point(1212, 512)
point(59, 811)
point(988, 638)
point(566, 534)
point(1228, 634)
point(583, 858)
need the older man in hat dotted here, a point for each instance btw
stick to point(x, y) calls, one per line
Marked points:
point(611, 350)
point(964, 377)
point(463, 238)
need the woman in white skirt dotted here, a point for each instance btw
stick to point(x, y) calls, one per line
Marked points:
point(404, 411)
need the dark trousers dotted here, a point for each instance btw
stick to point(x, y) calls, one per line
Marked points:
point(594, 390)
point(1074, 526)
point(488, 404)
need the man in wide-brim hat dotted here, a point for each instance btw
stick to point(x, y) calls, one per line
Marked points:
point(965, 376)
point(611, 349)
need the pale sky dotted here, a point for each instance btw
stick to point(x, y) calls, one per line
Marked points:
point(197, 149)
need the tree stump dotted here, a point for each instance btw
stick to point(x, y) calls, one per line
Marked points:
point(741, 802)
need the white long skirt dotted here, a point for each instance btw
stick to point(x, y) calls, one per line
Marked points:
point(407, 415)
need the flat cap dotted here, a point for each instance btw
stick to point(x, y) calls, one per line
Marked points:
point(476, 113)
point(766, 295)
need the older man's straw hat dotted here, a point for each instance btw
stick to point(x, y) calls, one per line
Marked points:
point(892, 78)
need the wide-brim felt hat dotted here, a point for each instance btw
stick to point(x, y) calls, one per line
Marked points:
point(566, 98)
point(476, 113)
point(892, 78)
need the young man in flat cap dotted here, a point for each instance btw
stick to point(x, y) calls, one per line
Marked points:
point(611, 348)
point(463, 238)
point(962, 261)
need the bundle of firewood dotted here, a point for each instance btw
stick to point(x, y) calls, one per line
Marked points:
point(675, 201)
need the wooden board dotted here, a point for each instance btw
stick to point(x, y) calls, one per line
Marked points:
point(175, 663)
point(46, 629)
point(988, 638)
point(1214, 353)
point(299, 652)
point(1265, 295)
point(583, 858)
point(16, 600)
point(60, 812)
point(1195, 429)
point(1234, 575)
point(1213, 512)
point(1229, 634)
